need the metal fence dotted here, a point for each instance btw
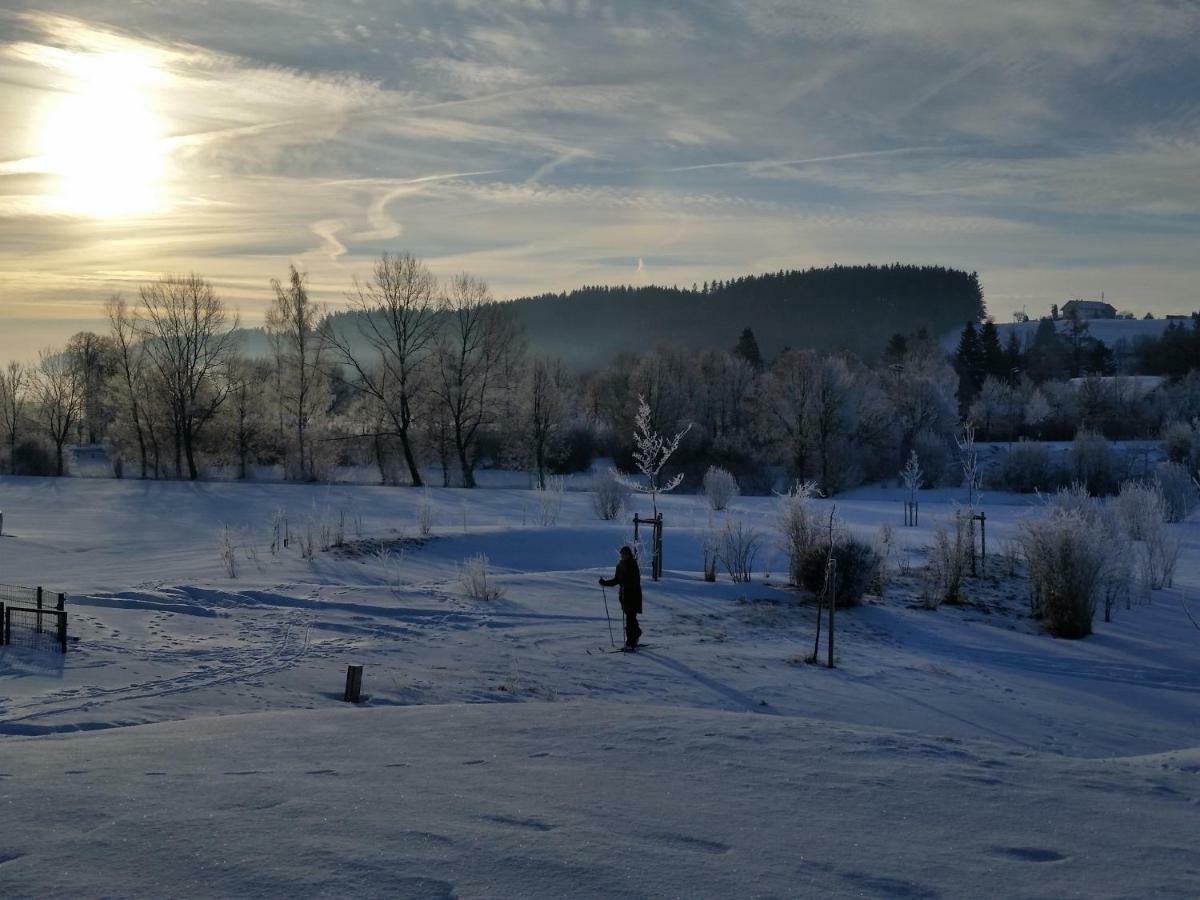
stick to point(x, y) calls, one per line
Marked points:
point(33, 617)
point(35, 629)
point(31, 596)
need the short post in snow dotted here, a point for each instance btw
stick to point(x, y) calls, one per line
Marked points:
point(353, 691)
point(981, 518)
point(1, 523)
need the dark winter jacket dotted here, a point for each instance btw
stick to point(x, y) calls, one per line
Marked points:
point(629, 577)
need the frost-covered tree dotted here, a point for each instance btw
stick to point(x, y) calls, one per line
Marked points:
point(58, 393)
point(651, 452)
point(14, 387)
point(969, 460)
point(299, 344)
point(911, 475)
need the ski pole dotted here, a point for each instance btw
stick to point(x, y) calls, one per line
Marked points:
point(611, 640)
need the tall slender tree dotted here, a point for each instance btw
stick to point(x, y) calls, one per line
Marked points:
point(295, 326)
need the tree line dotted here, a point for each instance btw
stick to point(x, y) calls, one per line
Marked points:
point(415, 376)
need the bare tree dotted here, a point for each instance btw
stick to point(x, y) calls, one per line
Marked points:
point(93, 356)
point(130, 369)
point(471, 361)
point(544, 407)
point(299, 341)
point(188, 337)
point(397, 319)
point(58, 392)
point(245, 407)
point(14, 386)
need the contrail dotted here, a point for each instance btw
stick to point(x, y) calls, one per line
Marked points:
point(777, 163)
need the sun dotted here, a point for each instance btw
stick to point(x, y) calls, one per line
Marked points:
point(103, 140)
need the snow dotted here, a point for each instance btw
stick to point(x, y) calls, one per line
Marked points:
point(193, 742)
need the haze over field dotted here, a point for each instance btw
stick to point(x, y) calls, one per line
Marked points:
point(543, 146)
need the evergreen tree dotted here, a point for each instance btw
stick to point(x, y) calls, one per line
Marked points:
point(968, 363)
point(896, 350)
point(747, 349)
point(1012, 356)
point(991, 354)
point(1045, 359)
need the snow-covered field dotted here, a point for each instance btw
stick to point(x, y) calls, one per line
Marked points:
point(193, 742)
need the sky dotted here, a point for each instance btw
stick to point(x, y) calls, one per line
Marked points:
point(1054, 147)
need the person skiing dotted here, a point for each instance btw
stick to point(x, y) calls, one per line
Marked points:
point(629, 578)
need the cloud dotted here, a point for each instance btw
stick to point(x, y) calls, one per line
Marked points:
point(547, 143)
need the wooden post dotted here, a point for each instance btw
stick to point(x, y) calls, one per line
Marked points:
point(353, 684)
point(983, 539)
point(832, 580)
point(657, 563)
point(39, 613)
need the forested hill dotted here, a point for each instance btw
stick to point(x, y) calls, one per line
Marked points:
point(852, 307)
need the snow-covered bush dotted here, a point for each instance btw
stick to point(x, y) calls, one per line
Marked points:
point(739, 547)
point(477, 581)
point(949, 559)
point(227, 544)
point(1143, 511)
point(798, 524)
point(1096, 464)
point(425, 513)
point(720, 487)
point(1065, 554)
point(1181, 443)
point(1027, 467)
point(710, 548)
point(855, 567)
point(1074, 498)
point(609, 494)
point(550, 499)
point(1178, 489)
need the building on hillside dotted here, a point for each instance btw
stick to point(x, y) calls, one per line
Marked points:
point(1089, 309)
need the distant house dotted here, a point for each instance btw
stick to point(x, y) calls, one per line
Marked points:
point(1089, 309)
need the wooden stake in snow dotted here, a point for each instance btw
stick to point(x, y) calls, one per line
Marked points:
point(353, 684)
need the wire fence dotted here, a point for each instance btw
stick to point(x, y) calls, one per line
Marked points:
point(35, 629)
point(33, 617)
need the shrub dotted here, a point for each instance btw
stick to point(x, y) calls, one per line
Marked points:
point(1026, 468)
point(1179, 491)
point(1142, 511)
point(1094, 463)
point(477, 581)
point(1065, 554)
point(720, 487)
point(856, 567)
point(550, 499)
point(949, 558)
point(425, 513)
point(609, 494)
point(739, 547)
point(798, 524)
point(1181, 443)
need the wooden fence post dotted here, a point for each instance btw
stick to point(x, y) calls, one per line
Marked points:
point(353, 684)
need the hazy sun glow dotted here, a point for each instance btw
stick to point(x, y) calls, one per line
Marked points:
point(103, 139)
